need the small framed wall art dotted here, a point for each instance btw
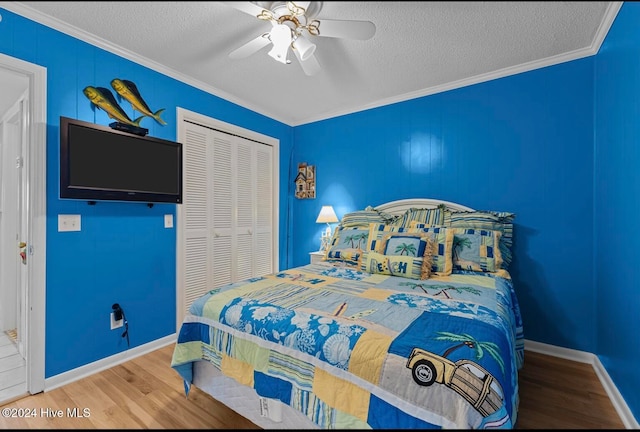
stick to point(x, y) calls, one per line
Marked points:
point(305, 181)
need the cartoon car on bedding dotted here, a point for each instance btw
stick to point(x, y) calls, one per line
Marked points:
point(467, 378)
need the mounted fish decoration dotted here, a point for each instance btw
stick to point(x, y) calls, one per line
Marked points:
point(104, 99)
point(129, 91)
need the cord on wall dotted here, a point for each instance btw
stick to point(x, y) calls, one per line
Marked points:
point(118, 313)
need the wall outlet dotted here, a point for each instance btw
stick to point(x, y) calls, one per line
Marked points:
point(116, 323)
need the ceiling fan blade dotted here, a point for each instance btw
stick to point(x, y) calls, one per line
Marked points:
point(310, 66)
point(251, 47)
point(362, 30)
point(246, 7)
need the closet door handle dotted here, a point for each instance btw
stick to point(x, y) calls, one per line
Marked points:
point(249, 232)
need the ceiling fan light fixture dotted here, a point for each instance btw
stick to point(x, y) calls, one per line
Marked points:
point(293, 24)
point(304, 47)
point(280, 37)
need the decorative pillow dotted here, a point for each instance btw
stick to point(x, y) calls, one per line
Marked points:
point(418, 245)
point(414, 244)
point(476, 250)
point(362, 218)
point(377, 233)
point(347, 244)
point(388, 217)
point(442, 259)
point(487, 220)
point(395, 265)
point(428, 217)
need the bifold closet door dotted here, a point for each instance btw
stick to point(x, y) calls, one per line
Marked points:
point(228, 208)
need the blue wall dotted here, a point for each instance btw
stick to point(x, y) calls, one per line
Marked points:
point(557, 146)
point(123, 254)
point(617, 203)
point(521, 144)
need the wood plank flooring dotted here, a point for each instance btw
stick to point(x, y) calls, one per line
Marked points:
point(562, 394)
point(145, 393)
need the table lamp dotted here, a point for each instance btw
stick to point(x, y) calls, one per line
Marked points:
point(327, 215)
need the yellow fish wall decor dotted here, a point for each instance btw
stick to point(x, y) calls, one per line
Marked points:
point(104, 99)
point(129, 91)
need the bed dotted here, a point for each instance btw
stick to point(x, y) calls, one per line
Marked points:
point(410, 322)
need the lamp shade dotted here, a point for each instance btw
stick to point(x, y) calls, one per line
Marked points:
point(327, 215)
point(304, 47)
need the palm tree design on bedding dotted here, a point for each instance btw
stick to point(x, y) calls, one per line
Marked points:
point(406, 249)
point(355, 240)
point(478, 348)
point(459, 243)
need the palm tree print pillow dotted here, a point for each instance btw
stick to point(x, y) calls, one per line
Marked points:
point(347, 244)
point(395, 265)
point(409, 244)
point(442, 261)
point(476, 250)
point(487, 220)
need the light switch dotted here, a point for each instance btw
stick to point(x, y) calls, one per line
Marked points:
point(168, 221)
point(68, 222)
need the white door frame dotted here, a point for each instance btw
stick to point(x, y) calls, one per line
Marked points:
point(35, 158)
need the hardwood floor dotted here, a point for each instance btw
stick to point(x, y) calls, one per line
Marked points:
point(145, 393)
point(562, 394)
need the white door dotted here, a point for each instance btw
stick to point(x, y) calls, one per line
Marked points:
point(242, 184)
point(227, 224)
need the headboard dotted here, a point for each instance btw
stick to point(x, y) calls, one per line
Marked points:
point(400, 206)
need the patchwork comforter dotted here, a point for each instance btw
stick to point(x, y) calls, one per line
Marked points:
point(356, 350)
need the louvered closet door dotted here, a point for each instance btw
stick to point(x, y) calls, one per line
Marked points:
point(263, 242)
point(222, 220)
point(245, 205)
point(251, 204)
point(228, 208)
point(197, 273)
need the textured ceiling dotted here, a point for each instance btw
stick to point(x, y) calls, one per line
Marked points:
point(419, 48)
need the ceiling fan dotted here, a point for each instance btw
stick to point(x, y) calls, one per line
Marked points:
point(292, 25)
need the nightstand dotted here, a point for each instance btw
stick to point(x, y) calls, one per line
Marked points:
point(316, 257)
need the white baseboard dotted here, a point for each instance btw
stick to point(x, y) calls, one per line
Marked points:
point(616, 398)
point(106, 363)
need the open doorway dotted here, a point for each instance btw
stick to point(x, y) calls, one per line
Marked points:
point(12, 232)
point(22, 227)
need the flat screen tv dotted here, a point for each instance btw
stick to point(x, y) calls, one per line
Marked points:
point(100, 163)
